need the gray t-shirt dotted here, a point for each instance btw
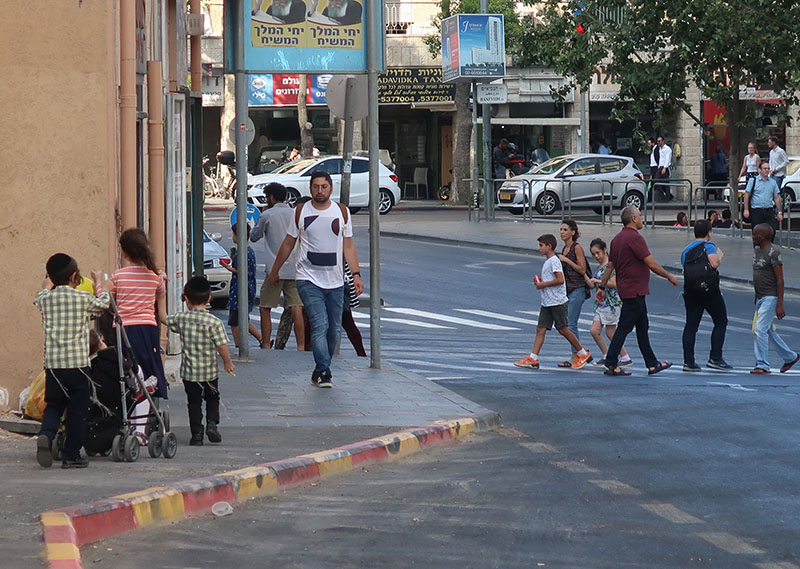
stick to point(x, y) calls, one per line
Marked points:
point(763, 274)
point(273, 226)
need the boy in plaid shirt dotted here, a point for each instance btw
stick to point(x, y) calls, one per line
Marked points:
point(203, 336)
point(65, 318)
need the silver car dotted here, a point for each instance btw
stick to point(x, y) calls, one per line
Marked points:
point(218, 276)
point(585, 180)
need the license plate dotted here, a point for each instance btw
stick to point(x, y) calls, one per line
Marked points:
point(505, 196)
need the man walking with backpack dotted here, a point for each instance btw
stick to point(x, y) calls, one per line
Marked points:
point(701, 293)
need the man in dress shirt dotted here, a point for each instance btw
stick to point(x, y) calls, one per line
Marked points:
point(664, 165)
point(777, 161)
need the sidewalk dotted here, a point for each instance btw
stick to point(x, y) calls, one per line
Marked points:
point(270, 412)
point(516, 235)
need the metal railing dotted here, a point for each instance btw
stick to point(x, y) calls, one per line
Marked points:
point(671, 183)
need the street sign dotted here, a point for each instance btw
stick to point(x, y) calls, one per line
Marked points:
point(473, 47)
point(252, 215)
point(492, 94)
point(335, 94)
point(251, 130)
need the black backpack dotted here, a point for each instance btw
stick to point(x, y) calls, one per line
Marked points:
point(699, 277)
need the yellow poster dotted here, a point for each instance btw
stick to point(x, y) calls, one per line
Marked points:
point(326, 24)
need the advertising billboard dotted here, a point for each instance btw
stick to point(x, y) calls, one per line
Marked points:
point(473, 47)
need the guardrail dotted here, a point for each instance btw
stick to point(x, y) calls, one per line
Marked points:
point(672, 183)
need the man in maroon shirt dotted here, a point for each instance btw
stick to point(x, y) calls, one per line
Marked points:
point(633, 262)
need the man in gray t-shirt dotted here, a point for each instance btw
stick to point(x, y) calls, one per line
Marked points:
point(768, 284)
point(272, 226)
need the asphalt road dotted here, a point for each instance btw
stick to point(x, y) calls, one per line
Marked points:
point(675, 470)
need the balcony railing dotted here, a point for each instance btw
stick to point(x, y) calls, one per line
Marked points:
point(410, 17)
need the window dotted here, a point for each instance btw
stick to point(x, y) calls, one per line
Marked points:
point(331, 166)
point(583, 167)
point(360, 166)
point(611, 165)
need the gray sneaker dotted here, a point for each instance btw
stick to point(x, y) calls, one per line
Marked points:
point(691, 367)
point(600, 362)
point(43, 455)
point(625, 363)
point(719, 364)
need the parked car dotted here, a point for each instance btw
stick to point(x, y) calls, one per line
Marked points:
point(790, 188)
point(296, 177)
point(217, 275)
point(548, 186)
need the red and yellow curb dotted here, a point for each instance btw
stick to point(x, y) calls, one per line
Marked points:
point(66, 530)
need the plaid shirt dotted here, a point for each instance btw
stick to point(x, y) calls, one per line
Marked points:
point(65, 317)
point(201, 332)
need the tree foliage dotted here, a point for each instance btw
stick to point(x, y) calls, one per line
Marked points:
point(656, 49)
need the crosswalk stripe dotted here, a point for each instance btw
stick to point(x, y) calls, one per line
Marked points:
point(460, 367)
point(445, 318)
point(496, 316)
point(416, 323)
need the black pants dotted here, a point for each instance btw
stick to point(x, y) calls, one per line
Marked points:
point(196, 391)
point(696, 304)
point(764, 215)
point(633, 314)
point(663, 193)
point(67, 388)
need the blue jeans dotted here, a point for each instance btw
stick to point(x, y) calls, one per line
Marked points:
point(324, 308)
point(778, 179)
point(575, 301)
point(764, 334)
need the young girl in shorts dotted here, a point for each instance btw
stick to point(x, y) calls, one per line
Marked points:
point(605, 313)
point(140, 293)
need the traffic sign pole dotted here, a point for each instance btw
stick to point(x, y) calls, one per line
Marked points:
point(241, 96)
point(373, 45)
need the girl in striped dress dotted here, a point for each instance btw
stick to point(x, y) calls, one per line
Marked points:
point(140, 293)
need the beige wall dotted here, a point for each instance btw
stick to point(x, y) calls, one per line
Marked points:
point(59, 159)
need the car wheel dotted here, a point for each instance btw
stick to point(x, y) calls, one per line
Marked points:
point(633, 199)
point(385, 201)
point(292, 196)
point(787, 199)
point(546, 203)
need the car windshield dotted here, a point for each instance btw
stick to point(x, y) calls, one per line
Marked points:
point(552, 166)
point(295, 167)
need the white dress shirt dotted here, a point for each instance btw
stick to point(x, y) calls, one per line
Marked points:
point(665, 157)
point(778, 161)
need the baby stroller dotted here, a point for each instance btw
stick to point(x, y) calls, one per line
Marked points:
point(117, 423)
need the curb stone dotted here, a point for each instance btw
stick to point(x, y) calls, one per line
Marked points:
point(66, 530)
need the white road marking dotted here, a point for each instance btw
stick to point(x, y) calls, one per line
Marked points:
point(459, 367)
point(574, 466)
point(416, 323)
point(671, 513)
point(730, 543)
point(497, 316)
point(616, 487)
point(445, 318)
point(538, 447)
point(731, 385)
point(777, 565)
point(444, 377)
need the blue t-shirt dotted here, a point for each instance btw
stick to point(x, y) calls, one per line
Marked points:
point(762, 192)
point(710, 249)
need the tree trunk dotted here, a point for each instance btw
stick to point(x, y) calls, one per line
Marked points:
point(462, 133)
point(306, 136)
point(732, 114)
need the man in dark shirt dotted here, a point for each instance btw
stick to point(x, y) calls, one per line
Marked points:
point(500, 156)
point(632, 261)
point(344, 12)
point(288, 11)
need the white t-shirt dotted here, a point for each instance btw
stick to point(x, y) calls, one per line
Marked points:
point(273, 225)
point(320, 245)
point(553, 295)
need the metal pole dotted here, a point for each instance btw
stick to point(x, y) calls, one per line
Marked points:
point(240, 94)
point(583, 135)
point(373, 45)
point(347, 146)
point(196, 106)
point(476, 148)
point(488, 185)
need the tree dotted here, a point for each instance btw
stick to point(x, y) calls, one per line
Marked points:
point(656, 49)
point(306, 135)
point(462, 128)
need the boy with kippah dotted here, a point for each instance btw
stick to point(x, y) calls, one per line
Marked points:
point(65, 318)
point(203, 336)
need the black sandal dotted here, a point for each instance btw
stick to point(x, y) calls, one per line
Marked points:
point(565, 363)
point(660, 367)
point(617, 371)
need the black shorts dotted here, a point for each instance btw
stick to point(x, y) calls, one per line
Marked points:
point(553, 314)
point(233, 317)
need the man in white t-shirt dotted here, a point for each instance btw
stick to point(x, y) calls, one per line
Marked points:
point(273, 226)
point(554, 307)
point(325, 236)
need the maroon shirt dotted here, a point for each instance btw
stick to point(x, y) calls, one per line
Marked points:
point(628, 251)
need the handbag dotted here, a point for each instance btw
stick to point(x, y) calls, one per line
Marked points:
point(350, 296)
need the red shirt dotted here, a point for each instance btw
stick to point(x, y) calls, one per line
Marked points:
point(628, 252)
point(135, 290)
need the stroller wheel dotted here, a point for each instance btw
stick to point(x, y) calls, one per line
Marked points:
point(58, 445)
point(170, 445)
point(165, 418)
point(154, 444)
point(131, 448)
point(116, 448)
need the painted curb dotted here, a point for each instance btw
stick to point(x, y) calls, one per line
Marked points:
point(66, 530)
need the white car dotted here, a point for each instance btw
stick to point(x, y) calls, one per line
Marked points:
point(218, 276)
point(296, 177)
point(587, 180)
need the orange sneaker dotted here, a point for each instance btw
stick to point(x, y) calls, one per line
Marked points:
point(581, 361)
point(528, 362)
